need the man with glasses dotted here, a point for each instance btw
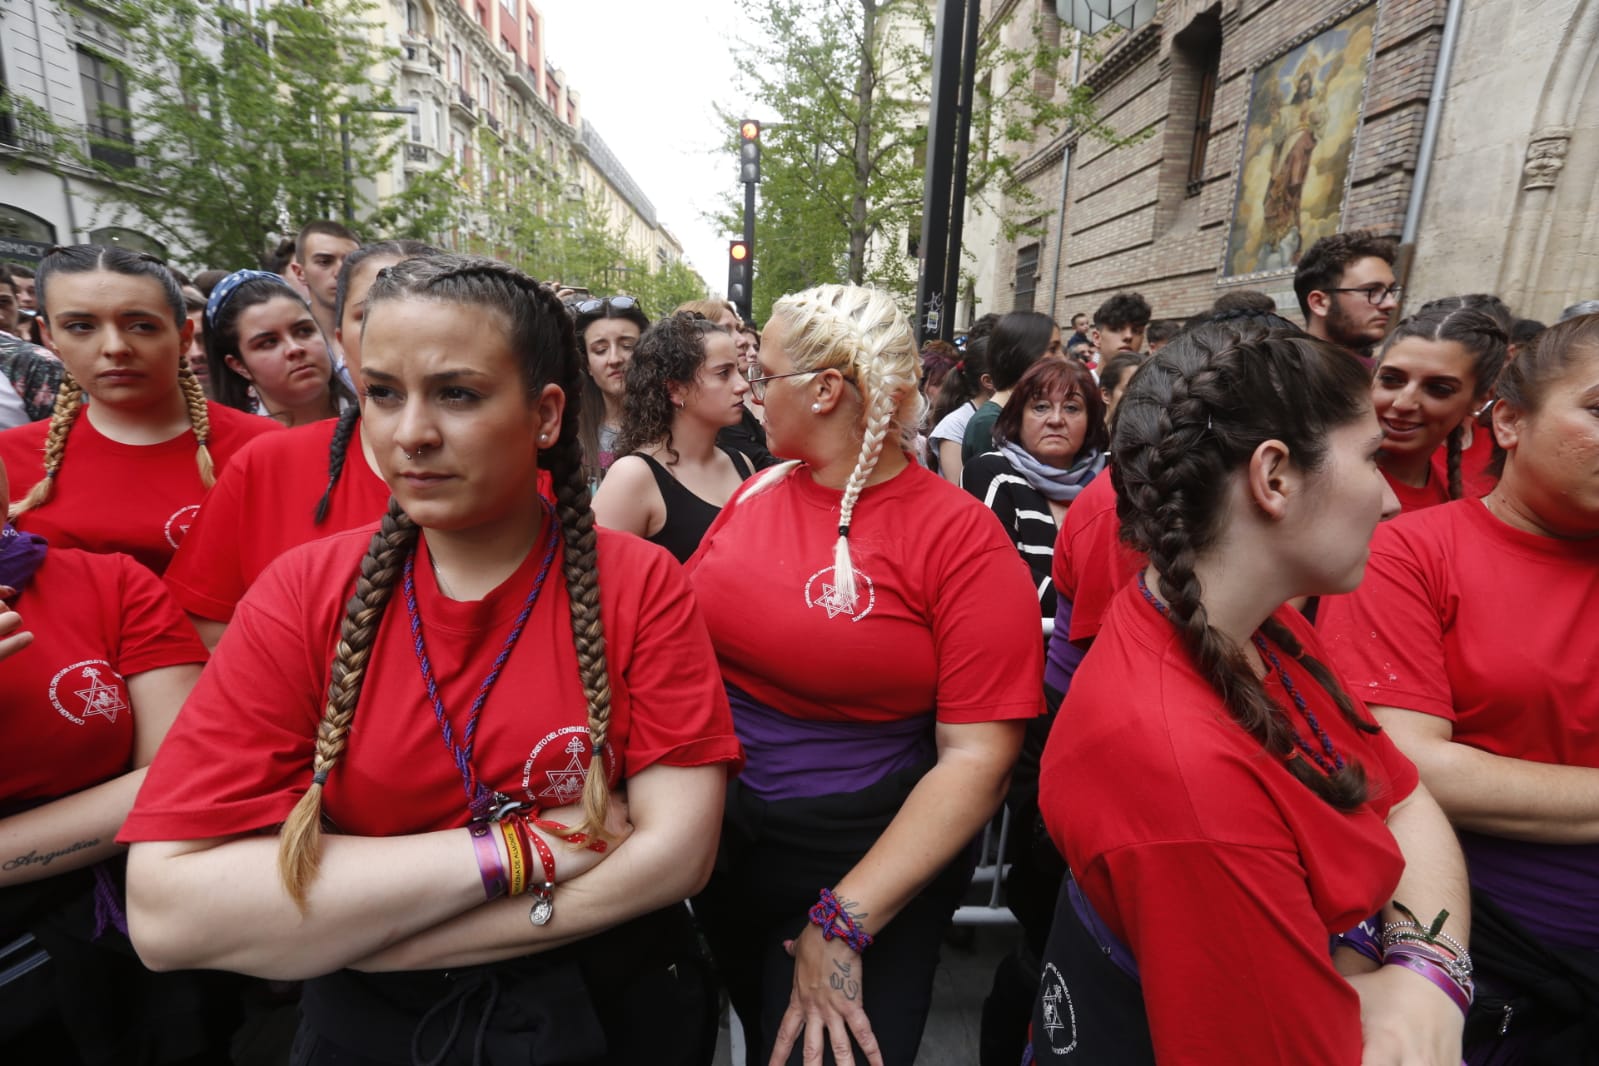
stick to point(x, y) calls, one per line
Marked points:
point(1346, 289)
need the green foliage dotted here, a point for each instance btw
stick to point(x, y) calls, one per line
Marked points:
point(845, 88)
point(237, 121)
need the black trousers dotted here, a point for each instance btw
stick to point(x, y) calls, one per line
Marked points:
point(639, 993)
point(775, 857)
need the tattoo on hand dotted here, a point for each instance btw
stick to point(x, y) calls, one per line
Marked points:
point(843, 981)
point(33, 858)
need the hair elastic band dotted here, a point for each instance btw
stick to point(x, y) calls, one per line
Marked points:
point(320, 777)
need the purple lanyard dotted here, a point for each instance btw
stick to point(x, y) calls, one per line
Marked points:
point(480, 801)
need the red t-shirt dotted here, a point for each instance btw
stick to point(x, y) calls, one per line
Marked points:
point(1434, 492)
point(943, 619)
point(239, 756)
point(1091, 562)
point(1221, 872)
point(1463, 617)
point(111, 497)
point(96, 620)
point(264, 505)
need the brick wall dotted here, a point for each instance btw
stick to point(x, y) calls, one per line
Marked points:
point(1129, 222)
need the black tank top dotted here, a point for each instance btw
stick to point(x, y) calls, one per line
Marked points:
point(687, 516)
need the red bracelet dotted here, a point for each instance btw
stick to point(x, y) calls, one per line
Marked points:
point(596, 845)
point(536, 843)
point(488, 861)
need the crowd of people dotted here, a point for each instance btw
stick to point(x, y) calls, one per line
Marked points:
point(1267, 636)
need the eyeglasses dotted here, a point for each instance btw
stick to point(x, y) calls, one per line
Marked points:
point(758, 384)
point(1376, 294)
point(613, 303)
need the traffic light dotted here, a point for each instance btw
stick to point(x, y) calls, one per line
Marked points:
point(749, 151)
point(740, 269)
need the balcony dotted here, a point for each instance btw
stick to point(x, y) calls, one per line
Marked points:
point(494, 123)
point(419, 157)
point(463, 102)
point(524, 81)
point(419, 55)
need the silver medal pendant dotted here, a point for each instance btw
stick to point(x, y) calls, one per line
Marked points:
point(543, 906)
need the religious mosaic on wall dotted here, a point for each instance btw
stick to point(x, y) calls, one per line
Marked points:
point(1304, 113)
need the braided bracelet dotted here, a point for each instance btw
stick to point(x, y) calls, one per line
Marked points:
point(833, 920)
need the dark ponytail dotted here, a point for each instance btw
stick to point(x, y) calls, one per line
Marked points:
point(1189, 419)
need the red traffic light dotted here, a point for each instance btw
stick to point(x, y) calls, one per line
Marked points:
point(738, 250)
point(749, 130)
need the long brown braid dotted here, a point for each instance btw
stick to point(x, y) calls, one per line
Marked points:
point(1199, 409)
point(540, 332)
point(300, 845)
point(84, 259)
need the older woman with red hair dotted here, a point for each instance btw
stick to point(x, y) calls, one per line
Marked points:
point(1049, 443)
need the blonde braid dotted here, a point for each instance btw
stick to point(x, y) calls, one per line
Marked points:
point(199, 418)
point(69, 401)
point(879, 420)
point(300, 843)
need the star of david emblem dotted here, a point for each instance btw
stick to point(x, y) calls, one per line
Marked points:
point(99, 697)
point(566, 785)
point(833, 602)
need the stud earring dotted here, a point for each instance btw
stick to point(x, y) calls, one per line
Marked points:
point(543, 437)
point(816, 407)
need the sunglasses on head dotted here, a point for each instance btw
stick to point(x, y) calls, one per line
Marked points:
point(610, 303)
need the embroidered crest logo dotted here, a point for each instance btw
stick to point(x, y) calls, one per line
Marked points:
point(1059, 1016)
point(178, 525)
point(820, 591)
point(563, 785)
point(88, 689)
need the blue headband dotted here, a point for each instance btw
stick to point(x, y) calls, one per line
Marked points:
point(230, 285)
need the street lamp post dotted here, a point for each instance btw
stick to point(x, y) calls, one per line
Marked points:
point(344, 147)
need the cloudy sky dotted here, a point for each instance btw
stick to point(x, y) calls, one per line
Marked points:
point(648, 73)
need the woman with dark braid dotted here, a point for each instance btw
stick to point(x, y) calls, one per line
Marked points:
point(463, 725)
point(129, 474)
point(672, 478)
point(266, 354)
point(1225, 806)
point(289, 488)
point(880, 648)
point(1473, 638)
point(1437, 367)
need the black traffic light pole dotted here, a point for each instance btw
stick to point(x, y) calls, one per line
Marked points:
point(741, 272)
point(944, 196)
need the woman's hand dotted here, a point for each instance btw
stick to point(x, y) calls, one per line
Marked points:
point(13, 638)
point(827, 1002)
point(1406, 1021)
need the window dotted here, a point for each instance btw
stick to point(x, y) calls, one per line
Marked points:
point(510, 9)
point(483, 15)
point(413, 19)
point(105, 103)
point(485, 97)
point(416, 117)
point(457, 66)
point(1195, 72)
point(1202, 117)
point(1026, 278)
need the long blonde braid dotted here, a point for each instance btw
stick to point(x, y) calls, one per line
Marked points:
point(69, 401)
point(200, 419)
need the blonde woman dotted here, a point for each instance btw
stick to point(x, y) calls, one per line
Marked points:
point(486, 887)
point(880, 650)
point(126, 472)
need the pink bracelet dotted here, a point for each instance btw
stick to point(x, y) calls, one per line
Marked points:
point(488, 861)
point(1433, 972)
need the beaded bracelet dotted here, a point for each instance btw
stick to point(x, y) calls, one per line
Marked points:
point(1434, 971)
point(830, 916)
point(488, 861)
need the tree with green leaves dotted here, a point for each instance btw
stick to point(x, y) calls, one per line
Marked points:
point(847, 83)
point(237, 122)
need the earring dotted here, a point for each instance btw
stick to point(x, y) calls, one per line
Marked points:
point(543, 437)
point(816, 407)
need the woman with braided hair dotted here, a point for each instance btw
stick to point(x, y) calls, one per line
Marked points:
point(488, 894)
point(129, 474)
point(288, 488)
point(1224, 805)
point(1437, 367)
point(684, 386)
point(880, 649)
